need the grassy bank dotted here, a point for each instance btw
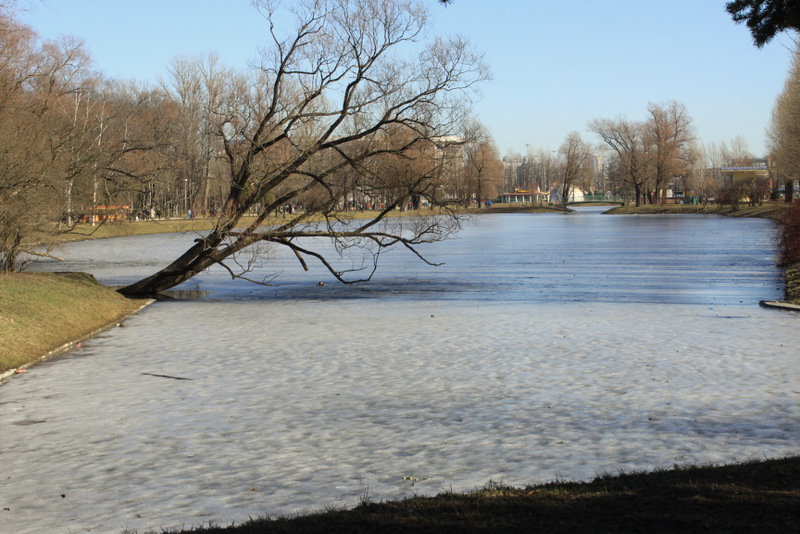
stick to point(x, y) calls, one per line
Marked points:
point(752, 497)
point(41, 312)
point(511, 208)
point(130, 228)
point(767, 210)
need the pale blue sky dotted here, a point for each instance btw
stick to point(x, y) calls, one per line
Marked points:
point(556, 65)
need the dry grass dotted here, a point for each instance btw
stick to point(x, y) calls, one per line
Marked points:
point(752, 497)
point(769, 210)
point(128, 228)
point(124, 229)
point(41, 312)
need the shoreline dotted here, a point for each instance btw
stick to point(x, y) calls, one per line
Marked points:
point(47, 314)
point(751, 496)
point(780, 305)
point(772, 211)
point(70, 345)
point(769, 210)
point(685, 498)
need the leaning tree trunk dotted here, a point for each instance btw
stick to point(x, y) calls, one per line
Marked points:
point(199, 257)
point(8, 264)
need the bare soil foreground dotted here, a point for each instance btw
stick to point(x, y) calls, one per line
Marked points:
point(752, 497)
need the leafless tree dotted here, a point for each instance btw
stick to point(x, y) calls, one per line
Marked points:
point(738, 153)
point(68, 139)
point(197, 85)
point(702, 174)
point(784, 130)
point(544, 169)
point(573, 152)
point(482, 166)
point(669, 129)
point(330, 102)
point(45, 144)
point(628, 140)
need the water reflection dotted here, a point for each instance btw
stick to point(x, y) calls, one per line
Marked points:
point(547, 346)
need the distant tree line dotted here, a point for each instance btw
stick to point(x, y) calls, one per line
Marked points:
point(74, 146)
point(642, 161)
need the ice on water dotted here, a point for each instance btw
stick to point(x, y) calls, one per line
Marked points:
point(305, 397)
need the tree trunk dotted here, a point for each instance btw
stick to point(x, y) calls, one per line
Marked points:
point(70, 184)
point(9, 263)
point(789, 190)
point(195, 260)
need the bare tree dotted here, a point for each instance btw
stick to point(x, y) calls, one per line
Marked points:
point(573, 152)
point(702, 172)
point(69, 140)
point(545, 172)
point(331, 101)
point(197, 85)
point(784, 130)
point(615, 173)
point(45, 141)
point(669, 129)
point(628, 140)
point(482, 165)
point(140, 129)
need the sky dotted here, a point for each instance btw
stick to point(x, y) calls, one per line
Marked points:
point(555, 66)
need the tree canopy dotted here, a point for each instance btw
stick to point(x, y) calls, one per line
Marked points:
point(765, 18)
point(784, 130)
point(651, 152)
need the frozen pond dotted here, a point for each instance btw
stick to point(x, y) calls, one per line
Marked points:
point(547, 346)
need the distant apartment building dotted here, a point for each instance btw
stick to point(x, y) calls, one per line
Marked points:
point(746, 171)
point(514, 170)
point(530, 178)
point(594, 173)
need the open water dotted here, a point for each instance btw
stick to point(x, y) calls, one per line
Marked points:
point(546, 347)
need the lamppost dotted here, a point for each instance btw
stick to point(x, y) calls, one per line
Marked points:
point(528, 160)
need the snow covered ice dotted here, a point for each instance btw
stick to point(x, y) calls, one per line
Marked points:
point(301, 396)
